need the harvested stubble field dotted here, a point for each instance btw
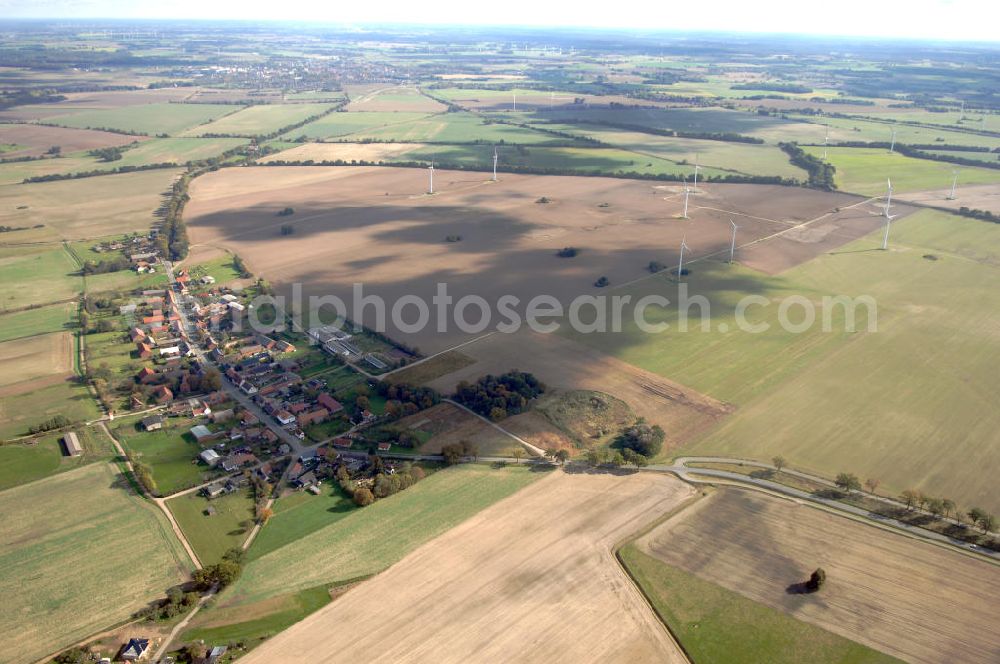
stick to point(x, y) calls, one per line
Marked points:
point(907, 598)
point(89, 565)
point(37, 139)
point(394, 99)
point(447, 424)
point(532, 578)
point(258, 120)
point(374, 224)
point(38, 357)
point(149, 119)
point(84, 208)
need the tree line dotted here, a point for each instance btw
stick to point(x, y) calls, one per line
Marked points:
point(821, 173)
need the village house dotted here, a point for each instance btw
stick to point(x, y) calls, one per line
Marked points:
point(163, 394)
point(152, 423)
point(144, 350)
point(313, 417)
point(332, 405)
point(134, 650)
point(72, 444)
point(211, 457)
point(146, 376)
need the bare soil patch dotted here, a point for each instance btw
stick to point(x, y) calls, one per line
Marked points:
point(532, 578)
point(907, 598)
point(449, 424)
point(976, 197)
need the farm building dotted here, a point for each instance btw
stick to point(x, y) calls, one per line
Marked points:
point(201, 432)
point(72, 443)
point(152, 423)
point(211, 457)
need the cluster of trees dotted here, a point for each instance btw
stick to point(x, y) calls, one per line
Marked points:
point(568, 252)
point(792, 88)
point(261, 493)
point(107, 154)
point(455, 452)
point(143, 473)
point(383, 485)
point(641, 438)
point(177, 602)
point(453, 238)
point(51, 424)
point(816, 580)
point(945, 507)
point(286, 212)
point(820, 172)
point(223, 573)
point(984, 215)
point(602, 282)
point(115, 264)
point(421, 397)
point(600, 456)
point(287, 229)
point(11, 229)
point(241, 267)
point(496, 397)
point(173, 238)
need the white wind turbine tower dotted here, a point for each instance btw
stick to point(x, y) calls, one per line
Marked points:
point(696, 167)
point(826, 142)
point(687, 193)
point(886, 214)
point(892, 144)
point(431, 171)
point(954, 183)
point(732, 244)
point(494, 163)
point(680, 263)
point(514, 92)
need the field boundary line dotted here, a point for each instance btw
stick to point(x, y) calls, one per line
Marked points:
point(431, 357)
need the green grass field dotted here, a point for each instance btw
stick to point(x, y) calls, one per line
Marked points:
point(37, 275)
point(739, 157)
point(455, 128)
point(19, 412)
point(221, 268)
point(718, 626)
point(856, 129)
point(299, 514)
point(43, 320)
point(259, 120)
point(149, 119)
point(833, 402)
point(24, 462)
point(342, 124)
point(985, 157)
point(864, 171)
point(369, 540)
point(171, 453)
point(211, 535)
point(79, 553)
point(578, 159)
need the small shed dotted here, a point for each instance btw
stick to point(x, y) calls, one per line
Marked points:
point(211, 457)
point(201, 432)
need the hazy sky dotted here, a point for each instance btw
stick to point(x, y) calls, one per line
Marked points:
point(940, 19)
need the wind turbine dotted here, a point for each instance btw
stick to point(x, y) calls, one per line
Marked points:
point(696, 167)
point(954, 182)
point(885, 212)
point(826, 142)
point(494, 163)
point(732, 245)
point(431, 171)
point(680, 263)
point(515, 99)
point(687, 193)
point(892, 145)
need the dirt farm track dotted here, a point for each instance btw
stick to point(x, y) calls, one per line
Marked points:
point(532, 578)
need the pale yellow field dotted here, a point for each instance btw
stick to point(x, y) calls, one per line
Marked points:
point(532, 578)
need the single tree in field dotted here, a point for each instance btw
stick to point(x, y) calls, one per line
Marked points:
point(909, 497)
point(550, 453)
point(363, 497)
point(848, 482)
point(871, 484)
point(948, 505)
point(562, 455)
point(816, 580)
point(779, 463)
point(518, 453)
